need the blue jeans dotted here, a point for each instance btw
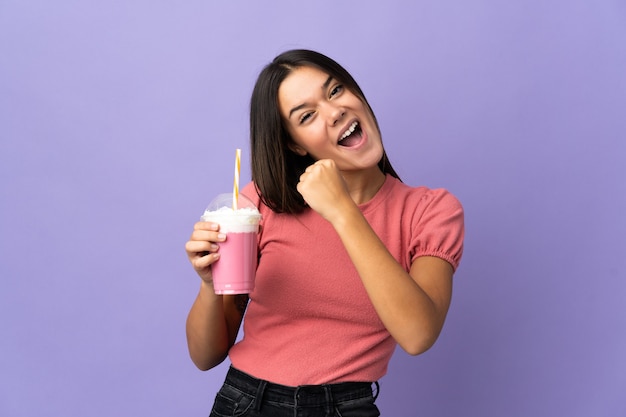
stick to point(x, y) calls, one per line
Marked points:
point(243, 395)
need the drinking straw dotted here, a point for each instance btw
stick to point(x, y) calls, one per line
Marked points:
point(236, 183)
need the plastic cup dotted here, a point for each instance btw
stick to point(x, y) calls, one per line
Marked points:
point(234, 271)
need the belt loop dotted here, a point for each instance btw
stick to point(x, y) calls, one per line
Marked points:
point(377, 390)
point(296, 397)
point(330, 402)
point(258, 399)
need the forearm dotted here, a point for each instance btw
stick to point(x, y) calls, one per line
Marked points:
point(408, 312)
point(208, 337)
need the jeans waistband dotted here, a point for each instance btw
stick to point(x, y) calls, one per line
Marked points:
point(302, 395)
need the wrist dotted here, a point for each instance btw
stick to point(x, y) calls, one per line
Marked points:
point(346, 217)
point(207, 291)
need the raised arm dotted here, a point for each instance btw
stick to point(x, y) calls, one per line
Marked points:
point(412, 305)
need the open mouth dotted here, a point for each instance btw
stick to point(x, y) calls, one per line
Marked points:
point(352, 136)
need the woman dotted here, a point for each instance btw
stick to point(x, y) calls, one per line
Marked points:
point(351, 260)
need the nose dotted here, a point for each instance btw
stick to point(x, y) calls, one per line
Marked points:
point(336, 113)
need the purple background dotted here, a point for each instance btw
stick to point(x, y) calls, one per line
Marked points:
point(118, 124)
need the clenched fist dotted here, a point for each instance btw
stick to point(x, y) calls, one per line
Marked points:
point(324, 189)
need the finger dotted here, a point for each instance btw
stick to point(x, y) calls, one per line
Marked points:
point(206, 226)
point(202, 262)
point(324, 163)
point(207, 236)
point(196, 247)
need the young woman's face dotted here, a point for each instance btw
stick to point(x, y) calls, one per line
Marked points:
point(327, 121)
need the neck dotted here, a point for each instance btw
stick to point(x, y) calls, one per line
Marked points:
point(363, 185)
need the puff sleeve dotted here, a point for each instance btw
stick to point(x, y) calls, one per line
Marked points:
point(438, 228)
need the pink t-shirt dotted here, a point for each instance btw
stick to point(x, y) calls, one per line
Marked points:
point(310, 320)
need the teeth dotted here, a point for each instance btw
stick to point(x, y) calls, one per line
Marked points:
point(349, 131)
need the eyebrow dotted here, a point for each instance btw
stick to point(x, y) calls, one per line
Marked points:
point(324, 87)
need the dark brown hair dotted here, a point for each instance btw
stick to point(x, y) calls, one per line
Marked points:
point(276, 169)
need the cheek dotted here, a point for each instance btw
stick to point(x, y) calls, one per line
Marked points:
point(296, 142)
point(309, 137)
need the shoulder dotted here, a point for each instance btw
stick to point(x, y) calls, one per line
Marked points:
point(251, 191)
point(421, 220)
point(422, 198)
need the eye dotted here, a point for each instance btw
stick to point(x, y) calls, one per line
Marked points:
point(336, 90)
point(305, 117)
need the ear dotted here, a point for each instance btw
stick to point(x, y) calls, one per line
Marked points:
point(297, 149)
